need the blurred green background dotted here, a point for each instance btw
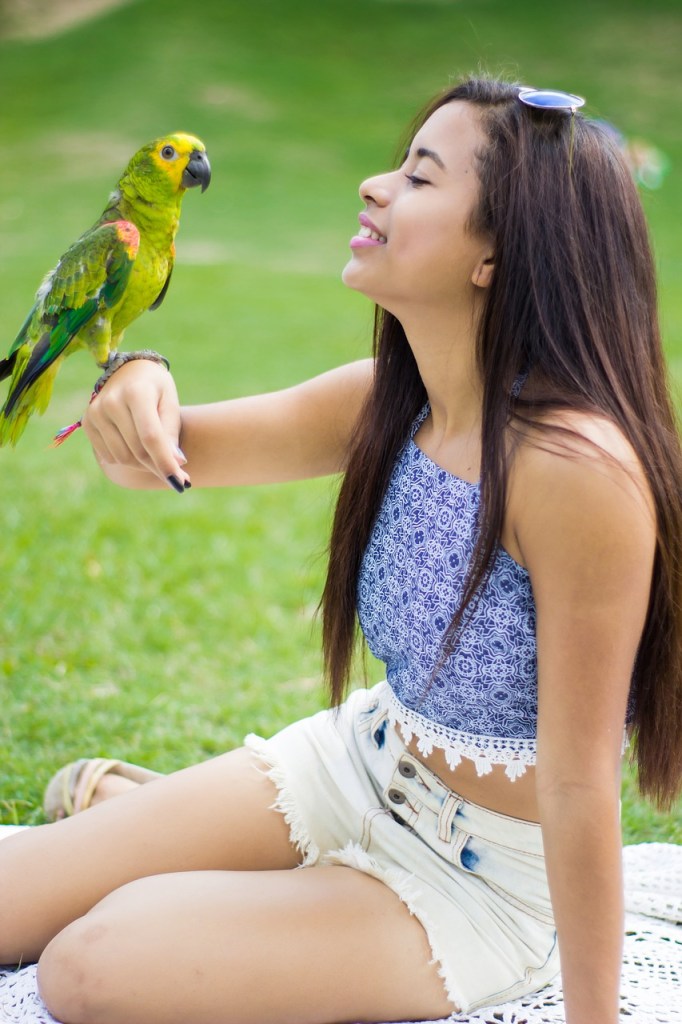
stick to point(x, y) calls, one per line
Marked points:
point(160, 628)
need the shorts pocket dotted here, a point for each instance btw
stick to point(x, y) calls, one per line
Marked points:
point(517, 878)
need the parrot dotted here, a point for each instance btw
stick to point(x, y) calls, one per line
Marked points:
point(114, 272)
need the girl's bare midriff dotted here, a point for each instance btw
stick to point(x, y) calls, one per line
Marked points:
point(495, 790)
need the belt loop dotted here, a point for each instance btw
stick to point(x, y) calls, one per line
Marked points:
point(451, 805)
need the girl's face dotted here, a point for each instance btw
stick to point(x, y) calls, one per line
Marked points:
point(414, 248)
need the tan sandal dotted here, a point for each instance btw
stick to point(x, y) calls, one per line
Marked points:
point(72, 788)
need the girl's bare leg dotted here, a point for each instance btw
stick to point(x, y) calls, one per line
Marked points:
point(215, 815)
point(151, 910)
point(320, 945)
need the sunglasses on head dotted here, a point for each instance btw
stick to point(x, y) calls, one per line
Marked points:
point(550, 99)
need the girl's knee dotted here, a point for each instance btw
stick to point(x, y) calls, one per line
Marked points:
point(73, 980)
point(81, 973)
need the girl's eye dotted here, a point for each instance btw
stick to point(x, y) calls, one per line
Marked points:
point(415, 181)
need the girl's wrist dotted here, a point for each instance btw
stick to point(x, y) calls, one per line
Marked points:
point(121, 358)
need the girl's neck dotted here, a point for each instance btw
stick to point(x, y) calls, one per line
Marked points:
point(446, 357)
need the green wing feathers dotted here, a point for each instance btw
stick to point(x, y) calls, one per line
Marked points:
point(72, 309)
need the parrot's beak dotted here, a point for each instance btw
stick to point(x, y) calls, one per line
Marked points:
point(197, 171)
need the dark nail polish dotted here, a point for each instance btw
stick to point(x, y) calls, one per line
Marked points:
point(187, 485)
point(174, 482)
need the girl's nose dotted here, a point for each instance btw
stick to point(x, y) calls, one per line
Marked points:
point(376, 190)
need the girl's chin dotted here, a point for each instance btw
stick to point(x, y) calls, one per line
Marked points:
point(351, 276)
point(355, 276)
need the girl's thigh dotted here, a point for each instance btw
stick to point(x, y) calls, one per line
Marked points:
point(318, 945)
point(215, 815)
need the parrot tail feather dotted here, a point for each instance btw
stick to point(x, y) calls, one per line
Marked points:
point(7, 365)
point(12, 427)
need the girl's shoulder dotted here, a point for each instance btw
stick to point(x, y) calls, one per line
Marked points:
point(581, 435)
point(575, 479)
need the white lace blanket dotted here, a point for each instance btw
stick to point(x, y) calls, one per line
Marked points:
point(652, 964)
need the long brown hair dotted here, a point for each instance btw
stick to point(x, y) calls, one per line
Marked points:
point(573, 300)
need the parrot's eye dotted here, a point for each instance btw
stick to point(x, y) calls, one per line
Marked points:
point(168, 153)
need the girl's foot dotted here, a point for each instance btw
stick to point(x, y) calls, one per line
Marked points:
point(87, 782)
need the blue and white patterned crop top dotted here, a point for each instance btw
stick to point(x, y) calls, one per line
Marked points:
point(482, 702)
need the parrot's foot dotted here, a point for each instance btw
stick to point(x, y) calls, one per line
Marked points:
point(109, 360)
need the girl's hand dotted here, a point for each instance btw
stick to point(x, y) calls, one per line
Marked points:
point(134, 426)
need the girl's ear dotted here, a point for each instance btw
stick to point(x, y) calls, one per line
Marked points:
point(483, 272)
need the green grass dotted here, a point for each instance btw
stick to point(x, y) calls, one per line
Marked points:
point(162, 628)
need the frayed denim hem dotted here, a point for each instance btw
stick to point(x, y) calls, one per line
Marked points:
point(352, 855)
point(402, 884)
point(298, 833)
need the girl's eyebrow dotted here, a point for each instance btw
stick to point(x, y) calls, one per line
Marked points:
point(422, 151)
point(428, 153)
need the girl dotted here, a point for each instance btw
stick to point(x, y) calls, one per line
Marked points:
point(509, 534)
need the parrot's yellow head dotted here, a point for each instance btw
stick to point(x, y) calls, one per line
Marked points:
point(166, 167)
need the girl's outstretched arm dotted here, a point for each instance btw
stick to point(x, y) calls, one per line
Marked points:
point(141, 435)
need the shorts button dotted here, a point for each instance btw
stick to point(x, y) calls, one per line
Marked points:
point(396, 797)
point(407, 770)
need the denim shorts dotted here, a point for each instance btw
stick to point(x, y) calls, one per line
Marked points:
point(352, 794)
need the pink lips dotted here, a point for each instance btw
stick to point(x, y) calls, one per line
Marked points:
point(363, 242)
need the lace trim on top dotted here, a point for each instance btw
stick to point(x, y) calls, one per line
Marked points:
point(484, 751)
